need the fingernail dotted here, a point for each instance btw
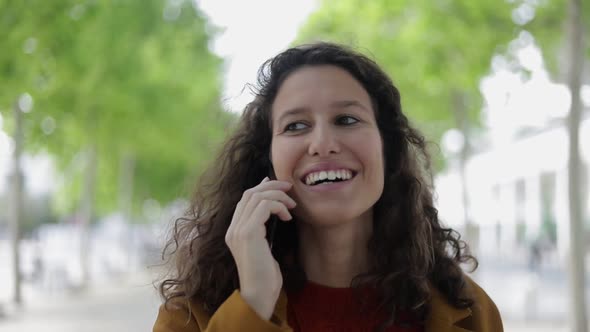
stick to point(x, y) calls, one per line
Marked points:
point(265, 179)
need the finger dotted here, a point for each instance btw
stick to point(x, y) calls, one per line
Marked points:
point(253, 225)
point(246, 198)
point(273, 184)
point(265, 209)
point(257, 197)
point(248, 204)
point(273, 195)
point(265, 185)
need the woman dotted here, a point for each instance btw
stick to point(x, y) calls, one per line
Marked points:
point(318, 215)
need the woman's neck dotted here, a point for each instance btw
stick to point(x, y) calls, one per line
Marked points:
point(333, 255)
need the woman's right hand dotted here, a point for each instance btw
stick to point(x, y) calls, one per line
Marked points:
point(260, 276)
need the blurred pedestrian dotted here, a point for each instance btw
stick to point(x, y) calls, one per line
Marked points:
point(535, 256)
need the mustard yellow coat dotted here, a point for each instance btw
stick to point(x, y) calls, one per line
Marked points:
point(236, 315)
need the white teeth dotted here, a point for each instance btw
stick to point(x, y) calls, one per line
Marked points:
point(331, 175)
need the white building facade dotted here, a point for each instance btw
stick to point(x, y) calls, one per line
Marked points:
point(518, 192)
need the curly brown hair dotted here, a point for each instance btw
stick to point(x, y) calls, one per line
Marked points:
point(409, 249)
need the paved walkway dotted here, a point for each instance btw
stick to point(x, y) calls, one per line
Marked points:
point(131, 306)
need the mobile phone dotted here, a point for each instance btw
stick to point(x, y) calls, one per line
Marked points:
point(272, 226)
point(272, 221)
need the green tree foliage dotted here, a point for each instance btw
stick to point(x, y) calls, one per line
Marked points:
point(130, 77)
point(548, 28)
point(435, 51)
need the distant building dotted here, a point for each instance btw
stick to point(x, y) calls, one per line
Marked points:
point(518, 192)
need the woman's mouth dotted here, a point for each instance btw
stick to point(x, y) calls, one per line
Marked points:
point(328, 176)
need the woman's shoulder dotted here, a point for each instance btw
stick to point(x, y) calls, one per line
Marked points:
point(485, 313)
point(183, 315)
point(178, 315)
point(482, 316)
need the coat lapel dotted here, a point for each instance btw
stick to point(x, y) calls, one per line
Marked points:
point(443, 317)
point(281, 307)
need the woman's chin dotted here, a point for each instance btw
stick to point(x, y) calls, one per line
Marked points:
point(325, 216)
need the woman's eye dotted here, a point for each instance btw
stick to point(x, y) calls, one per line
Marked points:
point(295, 126)
point(346, 120)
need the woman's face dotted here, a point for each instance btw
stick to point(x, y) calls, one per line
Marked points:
point(326, 142)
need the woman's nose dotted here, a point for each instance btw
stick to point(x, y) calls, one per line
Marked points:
point(323, 141)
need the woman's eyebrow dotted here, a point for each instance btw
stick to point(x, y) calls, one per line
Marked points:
point(335, 104)
point(348, 103)
point(291, 112)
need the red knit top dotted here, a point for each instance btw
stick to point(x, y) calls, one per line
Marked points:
point(318, 308)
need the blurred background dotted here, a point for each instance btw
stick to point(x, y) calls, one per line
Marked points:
point(109, 111)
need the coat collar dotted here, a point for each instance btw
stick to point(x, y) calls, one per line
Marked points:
point(443, 317)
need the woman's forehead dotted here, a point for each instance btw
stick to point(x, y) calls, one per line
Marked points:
point(325, 85)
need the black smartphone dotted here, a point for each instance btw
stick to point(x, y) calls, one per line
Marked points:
point(271, 225)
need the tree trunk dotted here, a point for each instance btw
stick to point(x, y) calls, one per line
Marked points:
point(127, 170)
point(87, 211)
point(462, 123)
point(17, 202)
point(577, 231)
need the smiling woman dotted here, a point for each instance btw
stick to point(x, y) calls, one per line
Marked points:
point(325, 149)
point(333, 130)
